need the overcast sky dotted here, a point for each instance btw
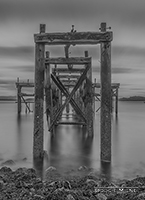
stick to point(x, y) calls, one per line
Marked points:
point(20, 19)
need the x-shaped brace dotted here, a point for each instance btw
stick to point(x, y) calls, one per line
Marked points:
point(79, 82)
point(66, 93)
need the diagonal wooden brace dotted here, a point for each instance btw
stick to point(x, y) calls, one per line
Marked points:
point(66, 93)
point(80, 80)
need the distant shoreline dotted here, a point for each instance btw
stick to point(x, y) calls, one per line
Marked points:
point(7, 98)
point(133, 98)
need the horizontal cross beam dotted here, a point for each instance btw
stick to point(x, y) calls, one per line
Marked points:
point(68, 76)
point(23, 84)
point(68, 61)
point(69, 81)
point(66, 70)
point(73, 38)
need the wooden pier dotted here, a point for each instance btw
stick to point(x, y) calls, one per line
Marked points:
point(114, 93)
point(21, 96)
point(67, 81)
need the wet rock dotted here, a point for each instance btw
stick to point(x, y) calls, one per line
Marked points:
point(50, 169)
point(101, 196)
point(82, 168)
point(111, 197)
point(8, 162)
point(92, 182)
point(1, 184)
point(5, 170)
point(56, 184)
point(141, 196)
point(38, 197)
point(66, 185)
point(70, 197)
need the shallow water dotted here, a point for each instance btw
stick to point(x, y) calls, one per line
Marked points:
point(70, 149)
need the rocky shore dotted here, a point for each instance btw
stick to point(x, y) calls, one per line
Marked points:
point(24, 184)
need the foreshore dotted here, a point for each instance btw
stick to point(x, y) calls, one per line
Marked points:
point(24, 184)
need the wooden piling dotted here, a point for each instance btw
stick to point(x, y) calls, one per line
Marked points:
point(105, 99)
point(48, 101)
point(116, 102)
point(39, 97)
point(19, 103)
point(89, 100)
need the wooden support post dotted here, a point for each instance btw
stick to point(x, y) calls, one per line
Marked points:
point(89, 101)
point(116, 102)
point(19, 103)
point(112, 94)
point(48, 91)
point(67, 105)
point(39, 97)
point(105, 99)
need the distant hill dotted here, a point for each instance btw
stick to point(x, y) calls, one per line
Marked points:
point(7, 98)
point(133, 98)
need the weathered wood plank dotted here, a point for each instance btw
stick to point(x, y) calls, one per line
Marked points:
point(24, 84)
point(39, 99)
point(68, 76)
point(73, 38)
point(88, 100)
point(66, 93)
point(66, 70)
point(27, 95)
point(48, 101)
point(116, 102)
point(105, 100)
point(69, 81)
point(19, 106)
point(71, 123)
point(82, 77)
point(71, 60)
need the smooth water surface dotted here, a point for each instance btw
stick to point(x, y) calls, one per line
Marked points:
point(70, 148)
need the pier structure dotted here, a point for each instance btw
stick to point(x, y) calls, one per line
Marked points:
point(114, 94)
point(78, 91)
point(21, 96)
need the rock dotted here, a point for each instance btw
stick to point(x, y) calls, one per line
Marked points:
point(70, 197)
point(5, 170)
point(38, 197)
point(50, 169)
point(66, 185)
point(24, 159)
point(141, 196)
point(8, 162)
point(1, 184)
point(92, 182)
point(101, 196)
point(56, 184)
point(82, 168)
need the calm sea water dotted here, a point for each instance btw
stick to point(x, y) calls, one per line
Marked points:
point(70, 149)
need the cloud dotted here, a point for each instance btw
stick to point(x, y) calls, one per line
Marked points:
point(119, 50)
point(126, 12)
point(23, 68)
point(115, 70)
point(25, 52)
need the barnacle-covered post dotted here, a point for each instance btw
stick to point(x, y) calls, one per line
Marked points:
point(88, 100)
point(39, 96)
point(19, 103)
point(105, 98)
point(48, 101)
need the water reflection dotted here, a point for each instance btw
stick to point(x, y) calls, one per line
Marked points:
point(70, 147)
point(105, 169)
point(38, 166)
